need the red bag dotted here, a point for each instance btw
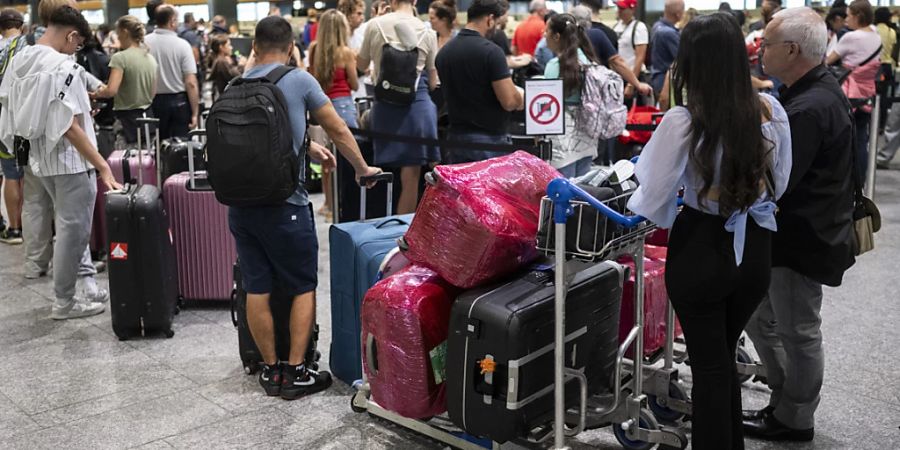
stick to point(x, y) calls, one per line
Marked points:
point(639, 115)
point(405, 320)
point(478, 221)
point(656, 303)
point(659, 238)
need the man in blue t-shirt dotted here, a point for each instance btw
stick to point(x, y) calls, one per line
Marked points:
point(280, 241)
point(664, 41)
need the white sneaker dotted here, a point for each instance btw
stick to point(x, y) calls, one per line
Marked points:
point(99, 296)
point(76, 309)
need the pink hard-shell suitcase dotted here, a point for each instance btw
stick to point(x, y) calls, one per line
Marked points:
point(204, 247)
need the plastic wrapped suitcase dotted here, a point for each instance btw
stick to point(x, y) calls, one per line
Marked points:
point(204, 246)
point(404, 338)
point(500, 350)
point(280, 304)
point(656, 302)
point(478, 221)
point(357, 249)
point(143, 280)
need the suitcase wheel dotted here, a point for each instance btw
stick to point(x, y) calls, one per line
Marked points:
point(647, 421)
point(169, 334)
point(353, 406)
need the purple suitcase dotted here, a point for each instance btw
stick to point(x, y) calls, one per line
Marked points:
point(98, 225)
point(204, 247)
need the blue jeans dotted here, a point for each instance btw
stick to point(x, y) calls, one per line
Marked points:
point(577, 168)
point(346, 108)
point(462, 155)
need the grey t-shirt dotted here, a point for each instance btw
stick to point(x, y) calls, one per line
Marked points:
point(174, 58)
point(302, 93)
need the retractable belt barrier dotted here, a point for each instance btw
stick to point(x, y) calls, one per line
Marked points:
point(542, 149)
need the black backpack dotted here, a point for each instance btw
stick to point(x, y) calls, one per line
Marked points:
point(397, 74)
point(250, 145)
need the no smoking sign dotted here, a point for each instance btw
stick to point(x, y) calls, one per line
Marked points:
point(544, 103)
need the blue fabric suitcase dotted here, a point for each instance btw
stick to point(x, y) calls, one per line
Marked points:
point(357, 250)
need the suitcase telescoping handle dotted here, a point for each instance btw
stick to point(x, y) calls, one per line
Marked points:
point(146, 122)
point(363, 181)
point(191, 172)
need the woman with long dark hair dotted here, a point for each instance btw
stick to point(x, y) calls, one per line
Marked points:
point(730, 150)
point(222, 65)
point(573, 151)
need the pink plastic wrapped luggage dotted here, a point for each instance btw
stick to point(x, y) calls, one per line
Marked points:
point(656, 301)
point(478, 221)
point(405, 319)
point(98, 224)
point(147, 166)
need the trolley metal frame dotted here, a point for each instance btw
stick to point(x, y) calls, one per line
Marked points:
point(634, 424)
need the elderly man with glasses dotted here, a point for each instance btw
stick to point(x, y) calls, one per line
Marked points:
point(814, 242)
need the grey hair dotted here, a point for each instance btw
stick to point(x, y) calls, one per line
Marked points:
point(803, 26)
point(537, 5)
point(582, 15)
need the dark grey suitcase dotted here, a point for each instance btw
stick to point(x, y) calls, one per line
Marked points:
point(143, 276)
point(143, 280)
point(508, 329)
point(281, 310)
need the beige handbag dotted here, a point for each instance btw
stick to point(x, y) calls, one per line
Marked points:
point(866, 222)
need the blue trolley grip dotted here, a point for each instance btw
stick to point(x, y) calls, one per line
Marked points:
point(562, 191)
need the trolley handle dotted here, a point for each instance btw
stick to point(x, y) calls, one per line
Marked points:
point(563, 191)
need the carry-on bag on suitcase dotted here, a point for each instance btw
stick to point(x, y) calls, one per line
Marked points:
point(501, 347)
point(143, 275)
point(204, 246)
point(404, 339)
point(280, 303)
point(173, 155)
point(477, 222)
point(357, 249)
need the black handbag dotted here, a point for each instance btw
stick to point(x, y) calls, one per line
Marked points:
point(842, 73)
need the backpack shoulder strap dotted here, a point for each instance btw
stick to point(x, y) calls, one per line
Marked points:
point(276, 74)
point(381, 30)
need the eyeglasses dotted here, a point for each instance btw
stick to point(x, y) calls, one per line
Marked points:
point(764, 44)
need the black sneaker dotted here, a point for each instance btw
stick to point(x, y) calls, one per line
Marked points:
point(11, 236)
point(270, 379)
point(299, 381)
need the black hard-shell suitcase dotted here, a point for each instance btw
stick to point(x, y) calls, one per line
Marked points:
point(143, 275)
point(143, 279)
point(500, 349)
point(280, 305)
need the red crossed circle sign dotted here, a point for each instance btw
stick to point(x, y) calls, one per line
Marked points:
point(544, 109)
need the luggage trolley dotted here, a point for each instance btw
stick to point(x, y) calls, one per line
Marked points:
point(634, 425)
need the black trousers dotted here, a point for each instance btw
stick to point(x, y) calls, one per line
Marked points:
point(714, 299)
point(128, 118)
point(174, 114)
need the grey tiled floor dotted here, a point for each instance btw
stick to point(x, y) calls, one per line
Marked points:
point(72, 384)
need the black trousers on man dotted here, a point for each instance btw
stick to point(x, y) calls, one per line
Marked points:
point(714, 298)
point(174, 114)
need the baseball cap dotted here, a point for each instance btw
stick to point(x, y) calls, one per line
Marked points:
point(627, 4)
point(9, 16)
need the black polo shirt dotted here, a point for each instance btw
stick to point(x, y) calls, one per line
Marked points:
point(467, 65)
point(815, 218)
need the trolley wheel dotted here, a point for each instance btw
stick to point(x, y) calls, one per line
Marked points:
point(248, 370)
point(664, 413)
point(647, 422)
point(744, 358)
point(353, 406)
point(682, 438)
point(169, 334)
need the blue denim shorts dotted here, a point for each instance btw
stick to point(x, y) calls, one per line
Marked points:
point(11, 169)
point(276, 242)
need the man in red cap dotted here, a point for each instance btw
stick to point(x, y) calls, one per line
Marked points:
point(633, 39)
point(530, 32)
